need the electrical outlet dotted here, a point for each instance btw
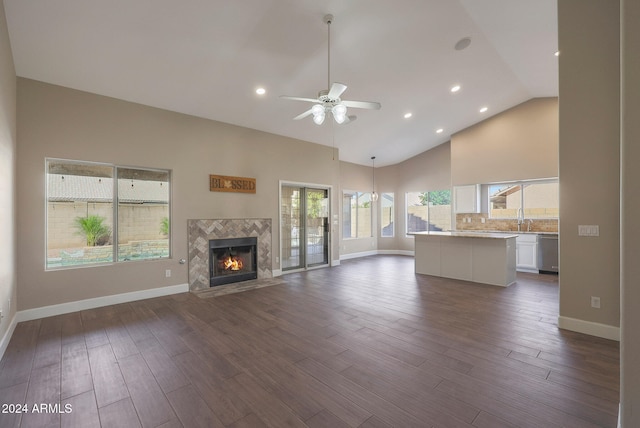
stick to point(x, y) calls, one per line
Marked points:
point(167, 273)
point(277, 259)
point(595, 302)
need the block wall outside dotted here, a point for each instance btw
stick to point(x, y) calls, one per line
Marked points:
point(138, 222)
point(438, 215)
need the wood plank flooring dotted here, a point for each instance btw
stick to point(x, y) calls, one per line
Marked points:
point(365, 344)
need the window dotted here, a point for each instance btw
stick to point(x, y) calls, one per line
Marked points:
point(143, 214)
point(356, 214)
point(428, 211)
point(529, 200)
point(386, 215)
point(83, 199)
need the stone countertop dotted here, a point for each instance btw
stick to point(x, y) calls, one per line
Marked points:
point(465, 234)
point(514, 232)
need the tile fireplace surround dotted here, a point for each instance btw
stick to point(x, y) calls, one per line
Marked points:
point(201, 231)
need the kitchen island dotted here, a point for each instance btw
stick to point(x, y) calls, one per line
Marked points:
point(488, 258)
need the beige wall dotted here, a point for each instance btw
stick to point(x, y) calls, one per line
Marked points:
point(427, 171)
point(589, 159)
point(358, 178)
point(8, 282)
point(630, 274)
point(430, 170)
point(58, 122)
point(518, 144)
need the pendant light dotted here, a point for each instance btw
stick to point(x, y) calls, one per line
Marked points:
point(374, 195)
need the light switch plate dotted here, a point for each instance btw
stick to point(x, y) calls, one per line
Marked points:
point(588, 230)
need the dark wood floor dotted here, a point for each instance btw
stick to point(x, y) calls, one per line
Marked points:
point(366, 344)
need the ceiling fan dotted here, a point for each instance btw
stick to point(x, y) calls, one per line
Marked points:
point(329, 100)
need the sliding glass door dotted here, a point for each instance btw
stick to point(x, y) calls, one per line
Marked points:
point(317, 226)
point(304, 225)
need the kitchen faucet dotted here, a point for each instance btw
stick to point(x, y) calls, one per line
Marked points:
point(521, 220)
point(520, 216)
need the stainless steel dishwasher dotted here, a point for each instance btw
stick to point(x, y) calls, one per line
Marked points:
point(548, 253)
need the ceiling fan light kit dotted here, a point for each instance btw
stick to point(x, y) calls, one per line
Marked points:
point(329, 100)
point(339, 113)
point(318, 114)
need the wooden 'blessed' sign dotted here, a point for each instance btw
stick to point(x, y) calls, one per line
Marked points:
point(223, 183)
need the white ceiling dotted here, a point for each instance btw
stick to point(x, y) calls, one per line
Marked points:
point(206, 58)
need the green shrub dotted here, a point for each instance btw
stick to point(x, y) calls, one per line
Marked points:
point(93, 229)
point(164, 226)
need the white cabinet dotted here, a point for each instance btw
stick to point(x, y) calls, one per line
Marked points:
point(467, 198)
point(527, 253)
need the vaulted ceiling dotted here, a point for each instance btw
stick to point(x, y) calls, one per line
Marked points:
point(207, 58)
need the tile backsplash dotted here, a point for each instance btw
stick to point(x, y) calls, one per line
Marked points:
point(537, 225)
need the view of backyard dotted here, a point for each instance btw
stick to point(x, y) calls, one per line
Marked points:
point(81, 208)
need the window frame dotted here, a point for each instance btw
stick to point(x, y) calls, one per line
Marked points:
point(523, 184)
point(428, 205)
point(115, 201)
point(392, 216)
point(358, 195)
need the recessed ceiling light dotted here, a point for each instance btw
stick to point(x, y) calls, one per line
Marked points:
point(261, 91)
point(463, 43)
point(483, 109)
point(439, 131)
point(455, 88)
point(408, 115)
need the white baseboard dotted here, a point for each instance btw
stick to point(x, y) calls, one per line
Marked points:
point(398, 252)
point(7, 336)
point(358, 255)
point(335, 262)
point(377, 252)
point(276, 272)
point(80, 305)
point(591, 328)
point(527, 270)
point(619, 415)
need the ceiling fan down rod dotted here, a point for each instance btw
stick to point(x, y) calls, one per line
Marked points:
point(328, 19)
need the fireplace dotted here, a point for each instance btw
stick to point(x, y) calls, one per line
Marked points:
point(201, 231)
point(232, 260)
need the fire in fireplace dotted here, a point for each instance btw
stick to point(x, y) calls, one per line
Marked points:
point(233, 264)
point(232, 260)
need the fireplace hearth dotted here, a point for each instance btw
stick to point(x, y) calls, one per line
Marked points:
point(232, 260)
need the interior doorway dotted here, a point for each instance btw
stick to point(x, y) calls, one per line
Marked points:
point(304, 226)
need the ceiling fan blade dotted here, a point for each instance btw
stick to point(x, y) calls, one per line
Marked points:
point(371, 105)
point(303, 115)
point(336, 90)
point(309, 100)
